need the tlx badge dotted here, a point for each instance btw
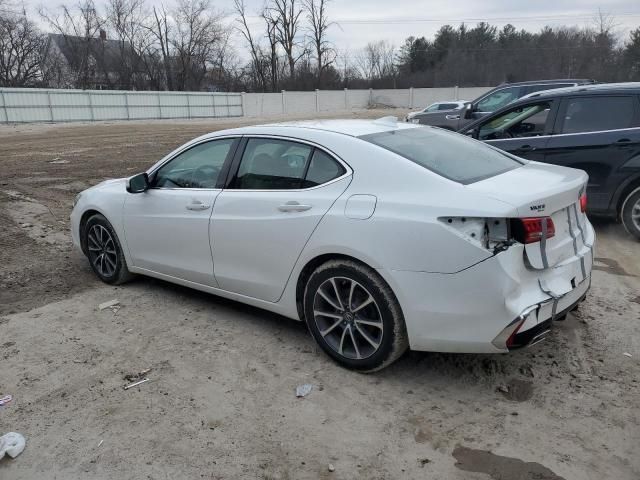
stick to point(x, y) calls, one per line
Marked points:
point(537, 208)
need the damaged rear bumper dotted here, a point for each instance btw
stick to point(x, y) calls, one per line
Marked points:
point(535, 322)
point(477, 309)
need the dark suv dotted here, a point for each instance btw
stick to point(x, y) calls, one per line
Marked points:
point(595, 128)
point(491, 101)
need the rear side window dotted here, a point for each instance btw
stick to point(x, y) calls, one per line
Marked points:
point(322, 169)
point(591, 114)
point(448, 154)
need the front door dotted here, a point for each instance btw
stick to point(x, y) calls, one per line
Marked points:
point(260, 224)
point(167, 227)
point(522, 131)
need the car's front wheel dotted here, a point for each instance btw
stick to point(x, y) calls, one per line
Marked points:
point(630, 213)
point(104, 251)
point(354, 316)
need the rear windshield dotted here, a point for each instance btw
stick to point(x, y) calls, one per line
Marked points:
point(448, 154)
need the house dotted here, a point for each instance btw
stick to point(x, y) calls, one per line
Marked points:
point(94, 63)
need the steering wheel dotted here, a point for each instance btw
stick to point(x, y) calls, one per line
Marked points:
point(507, 134)
point(203, 175)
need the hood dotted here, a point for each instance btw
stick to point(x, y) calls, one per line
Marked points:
point(106, 183)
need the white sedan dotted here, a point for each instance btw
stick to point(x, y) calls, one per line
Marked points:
point(380, 235)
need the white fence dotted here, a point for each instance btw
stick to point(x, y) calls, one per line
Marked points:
point(51, 105)
point(286, 103)
point(19, 105)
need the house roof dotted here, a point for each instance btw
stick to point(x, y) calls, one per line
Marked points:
point(107, 52)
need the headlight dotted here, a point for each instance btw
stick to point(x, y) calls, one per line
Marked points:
point(75, 200)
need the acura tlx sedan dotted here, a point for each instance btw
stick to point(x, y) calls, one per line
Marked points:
point(380, 235)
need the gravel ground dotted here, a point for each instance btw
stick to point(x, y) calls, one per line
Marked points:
point(221, 401)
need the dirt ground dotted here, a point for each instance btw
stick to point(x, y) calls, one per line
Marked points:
point(221, 400)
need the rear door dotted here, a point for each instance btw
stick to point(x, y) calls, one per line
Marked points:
point(261, 222)
point(522, 130)
point(597, 134)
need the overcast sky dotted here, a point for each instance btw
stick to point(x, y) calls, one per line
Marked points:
point(362, 21)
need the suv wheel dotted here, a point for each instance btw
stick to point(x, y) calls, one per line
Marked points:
point(630, 213)
point(354, 316)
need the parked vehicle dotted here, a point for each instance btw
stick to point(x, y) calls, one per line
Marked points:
point(439, 107)
point(379, 235)
point(491, 101)
point(595, 128)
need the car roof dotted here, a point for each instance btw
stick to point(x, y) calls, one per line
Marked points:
point(551, 81)
point(595, 89)
point(353, 128)
point(598, 88)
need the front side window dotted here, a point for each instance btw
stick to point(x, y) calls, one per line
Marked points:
point(197, 167)
point(447, 106)
point(432, 108)
point(525, 121)
point(498, 99)
point(591, 114)
point(272, 164)
point(448, 154)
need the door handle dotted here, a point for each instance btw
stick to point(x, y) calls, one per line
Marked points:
point(623, 141)
point(452, 117)
point(526, 148)
point(293, 207)
point(197, 205)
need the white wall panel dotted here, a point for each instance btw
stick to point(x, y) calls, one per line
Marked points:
point(43, 105)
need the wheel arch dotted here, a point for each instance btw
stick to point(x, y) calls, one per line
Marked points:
point(623, 192)
point(314, 263)
point(86, 215)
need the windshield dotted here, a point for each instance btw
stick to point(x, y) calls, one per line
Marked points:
point(448, 154)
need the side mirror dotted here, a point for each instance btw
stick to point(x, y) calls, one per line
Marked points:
point(138, 183)
point(468, 111)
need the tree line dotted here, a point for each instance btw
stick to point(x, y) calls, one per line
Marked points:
point(192, 46)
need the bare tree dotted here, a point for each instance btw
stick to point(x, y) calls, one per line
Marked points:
point(78, 25)
point(272, 36)
point(287, 17)
point(198, 31)
point(126, 19)
point(254, 46)
point(161, 30)
point(21, 51)
point(319, 24)
point(376, 61)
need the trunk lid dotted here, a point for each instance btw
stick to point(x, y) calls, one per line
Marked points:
point(543, 190)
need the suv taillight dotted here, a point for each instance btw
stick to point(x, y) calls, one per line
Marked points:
point(530, 230)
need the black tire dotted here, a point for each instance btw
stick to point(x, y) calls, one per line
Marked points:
point(631, 209)
point(389, 332)
point(114, 271)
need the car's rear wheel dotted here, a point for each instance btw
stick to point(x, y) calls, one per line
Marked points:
point(630, 213)
point(354, 316)
point(104, 251)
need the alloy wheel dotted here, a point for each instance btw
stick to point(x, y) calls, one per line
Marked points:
point(635, 214)
point(102, 250)
point(348, 318)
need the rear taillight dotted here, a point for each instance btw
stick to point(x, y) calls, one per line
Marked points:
point(531, 230)
point(583, 202)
